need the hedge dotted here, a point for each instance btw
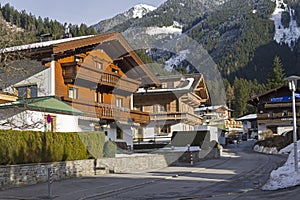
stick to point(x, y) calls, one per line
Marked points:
point(20, 147)
point(109, 149)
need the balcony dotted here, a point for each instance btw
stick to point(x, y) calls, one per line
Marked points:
point(140, 117)
point(176, 117)
point(277, 118)
point(109, 112)
point(69, 72)
point(191, 99)
point(88, 77)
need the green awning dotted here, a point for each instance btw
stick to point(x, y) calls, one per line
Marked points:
point(44, 104)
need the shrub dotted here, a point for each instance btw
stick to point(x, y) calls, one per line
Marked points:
point(277, 141)
point(110, 149)
point(266, 134)
point(20, 147)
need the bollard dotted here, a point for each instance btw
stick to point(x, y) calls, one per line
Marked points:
point(50, 181)
point(191, 154)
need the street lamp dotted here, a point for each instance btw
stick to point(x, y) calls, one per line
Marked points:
point(292, 86)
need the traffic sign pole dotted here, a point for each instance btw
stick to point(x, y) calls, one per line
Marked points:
point(50, 181)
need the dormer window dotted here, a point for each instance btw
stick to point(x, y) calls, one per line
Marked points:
point(28, 91)
point(99, 65)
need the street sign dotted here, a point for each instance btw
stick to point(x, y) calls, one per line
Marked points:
point(49, 119)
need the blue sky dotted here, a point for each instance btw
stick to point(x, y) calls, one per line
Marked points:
point(77, 11)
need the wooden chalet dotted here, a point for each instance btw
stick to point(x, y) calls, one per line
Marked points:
point(274, 109)
point(171, 106)
point(94, 74)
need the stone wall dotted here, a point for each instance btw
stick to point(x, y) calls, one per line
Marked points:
point(133, 163)
point(20, 175)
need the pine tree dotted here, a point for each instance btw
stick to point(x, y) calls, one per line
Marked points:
point(276, 78)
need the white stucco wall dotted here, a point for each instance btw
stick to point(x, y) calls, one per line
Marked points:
point(41, 79)
point(35, 121)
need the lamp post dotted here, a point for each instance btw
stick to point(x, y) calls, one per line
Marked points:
point(292, 86)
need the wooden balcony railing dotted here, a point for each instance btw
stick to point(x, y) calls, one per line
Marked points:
point(177, 116)
point(71, 73)
point(140, 117)
point(104, 111)
point(191, 99)
point(113, 80)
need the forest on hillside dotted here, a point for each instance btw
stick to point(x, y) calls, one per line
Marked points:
point(38, 27)
point(239, 42)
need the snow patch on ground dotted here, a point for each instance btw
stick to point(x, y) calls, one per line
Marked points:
point(285, 35)
point(284, 176)
point(176, 28)
point(176, 59)
point(266, 150)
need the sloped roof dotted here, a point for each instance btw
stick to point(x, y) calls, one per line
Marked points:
point(188, 83)
point(114, 44)
point(44, 104)
point(248, 117)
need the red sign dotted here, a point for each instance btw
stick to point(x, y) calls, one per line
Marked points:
point(49, 119)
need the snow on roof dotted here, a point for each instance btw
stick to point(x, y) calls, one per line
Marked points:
point(187, 87)
point(42, 44)
point(211, 108)
point(248, 117)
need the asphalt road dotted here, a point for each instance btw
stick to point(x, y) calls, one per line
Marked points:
point(239, 174)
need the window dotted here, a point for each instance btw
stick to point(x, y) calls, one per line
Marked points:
point(73, 93)
point(119, 102)
point(99, 65)
point(119, 133)
point(99, 97)
point(170, 85)
point(270, 114)
point(165, 129)
point(29, 91)
point(285, 113)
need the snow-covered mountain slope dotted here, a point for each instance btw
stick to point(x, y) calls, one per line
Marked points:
point(137, 11)
point(285, 35)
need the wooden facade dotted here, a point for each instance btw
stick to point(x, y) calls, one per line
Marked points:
point(274, 108)
point(173, 103)
point(6, 98)
point(96, 75)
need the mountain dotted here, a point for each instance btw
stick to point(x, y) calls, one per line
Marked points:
point(137, 11)
point(242, 37)
point(180, 11)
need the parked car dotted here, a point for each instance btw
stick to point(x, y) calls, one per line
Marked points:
point(233, 137)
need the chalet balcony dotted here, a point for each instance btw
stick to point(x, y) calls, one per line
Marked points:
point(109, 79)
point(191, 99)
point(188, 118)
point(277, 118)
point(110, 112)
point(73, 74)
